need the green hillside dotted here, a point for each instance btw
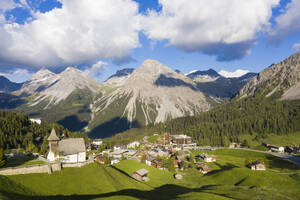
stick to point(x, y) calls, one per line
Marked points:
point(73, 112)
point(255, 118)
point(230, 179)
point(18, 132)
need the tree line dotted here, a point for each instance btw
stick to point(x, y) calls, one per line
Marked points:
point(18, 132)
point(254, 115)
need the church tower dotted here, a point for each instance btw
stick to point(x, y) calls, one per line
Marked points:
point(53, 146)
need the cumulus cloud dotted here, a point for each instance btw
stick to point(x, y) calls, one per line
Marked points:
point(79, 32)
point(287, 23)
point(7, 4)
point(224, 28)
point(235, 74)
point(17, 75)
point(4, 6)
point(96, 69)
point(123, 60)
point(296, 46)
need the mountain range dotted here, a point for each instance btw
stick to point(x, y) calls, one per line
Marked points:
point(7, 86)
point(280, 80)
point(150, 94)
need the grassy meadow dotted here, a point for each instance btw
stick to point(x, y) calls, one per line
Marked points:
point(229, 179)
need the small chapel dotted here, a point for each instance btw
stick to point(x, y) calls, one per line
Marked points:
point(70, 150)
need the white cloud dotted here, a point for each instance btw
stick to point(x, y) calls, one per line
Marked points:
point(7, 4)
point(287, 23)
point(96, 69)
point(226, 28)
point(4, 6)
point(235, 74)
point(79, 32)
point(296, 46)
point(18, 75)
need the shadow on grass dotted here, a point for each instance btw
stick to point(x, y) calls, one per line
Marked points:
point(121, 171)
point(112, 127)
point(17, 161)
point(277, 162)
point(168, 191)
point(223, 168)
point(73, 123)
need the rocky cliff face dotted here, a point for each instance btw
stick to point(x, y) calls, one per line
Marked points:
point(120, 77)
point(153, 93)
point(204, 76)
point(216, 86)
point(46, 85)
point(281, 79)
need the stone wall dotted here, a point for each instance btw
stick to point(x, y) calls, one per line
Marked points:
point(45, 168)
point(79, 164)
point(34, 169)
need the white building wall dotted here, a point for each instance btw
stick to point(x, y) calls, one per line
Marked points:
point(133, 144)
point(51, 156)
point(70, 158)
point(73, 158)
point(98, 143)
point(81, 156)
point(208, 159)
point(148, 162)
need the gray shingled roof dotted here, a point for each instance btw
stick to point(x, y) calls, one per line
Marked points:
point(71, 146)
point(142, 172)
point(53, 136)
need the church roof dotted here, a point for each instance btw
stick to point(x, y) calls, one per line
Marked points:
point(53, 136)
point(71, 146)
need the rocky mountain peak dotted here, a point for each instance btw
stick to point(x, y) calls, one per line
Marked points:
point(57, 87)
point(120, 77)
point(204, 76)
point(209, 72)
point(42, 74)
point(122, 72)
point(283, 77)
point(71, 69)
point(153, 67)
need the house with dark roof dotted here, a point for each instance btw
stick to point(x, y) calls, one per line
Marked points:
point(70, 150)
point(258, 165)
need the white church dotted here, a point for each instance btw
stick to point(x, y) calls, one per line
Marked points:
point(71, 150)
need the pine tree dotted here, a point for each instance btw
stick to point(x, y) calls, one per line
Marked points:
point(2, 158)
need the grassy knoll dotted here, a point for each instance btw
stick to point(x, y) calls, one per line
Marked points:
point(229, 179)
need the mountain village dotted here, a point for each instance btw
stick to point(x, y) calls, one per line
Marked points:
point(164, 152)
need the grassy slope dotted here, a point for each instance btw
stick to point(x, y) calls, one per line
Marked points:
point(283, 140)
point(88, 182)
point(230, 179)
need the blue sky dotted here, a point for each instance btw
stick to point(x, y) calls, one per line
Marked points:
point(183, 34)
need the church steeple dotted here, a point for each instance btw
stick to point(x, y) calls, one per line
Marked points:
point(53, 136)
